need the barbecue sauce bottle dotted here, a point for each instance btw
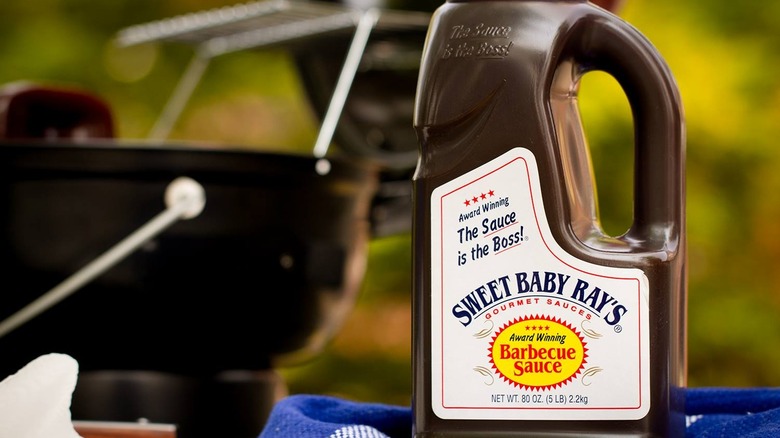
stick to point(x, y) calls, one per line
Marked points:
point(529, 320)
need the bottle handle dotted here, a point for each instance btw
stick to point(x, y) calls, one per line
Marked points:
point(601, 42)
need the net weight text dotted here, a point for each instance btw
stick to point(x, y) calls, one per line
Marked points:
point(517, 398)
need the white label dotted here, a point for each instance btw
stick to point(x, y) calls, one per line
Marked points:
point(520, 328)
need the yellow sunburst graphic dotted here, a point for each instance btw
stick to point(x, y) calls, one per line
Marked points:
point(538, 352)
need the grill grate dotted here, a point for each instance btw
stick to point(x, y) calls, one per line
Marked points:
point(263, 23)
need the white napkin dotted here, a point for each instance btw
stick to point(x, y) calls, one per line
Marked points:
point(35, 402)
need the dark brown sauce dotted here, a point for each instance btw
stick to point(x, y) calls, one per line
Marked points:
point(514, 85)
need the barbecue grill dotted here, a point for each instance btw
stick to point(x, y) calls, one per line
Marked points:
point(205, 267)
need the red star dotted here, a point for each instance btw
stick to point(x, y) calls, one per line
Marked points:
point(475, 199)
point(467, 202)
point(491, 193)
point(483, 196)
point(547, 328)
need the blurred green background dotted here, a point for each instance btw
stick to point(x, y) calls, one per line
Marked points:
point(723, 54)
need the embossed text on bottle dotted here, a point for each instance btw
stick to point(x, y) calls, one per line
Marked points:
point(479, 41)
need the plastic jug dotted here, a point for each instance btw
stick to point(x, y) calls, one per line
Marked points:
point(528, 318)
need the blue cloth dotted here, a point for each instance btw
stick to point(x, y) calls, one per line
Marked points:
point(711, 412)
point(310, 416)
point(729, 412)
